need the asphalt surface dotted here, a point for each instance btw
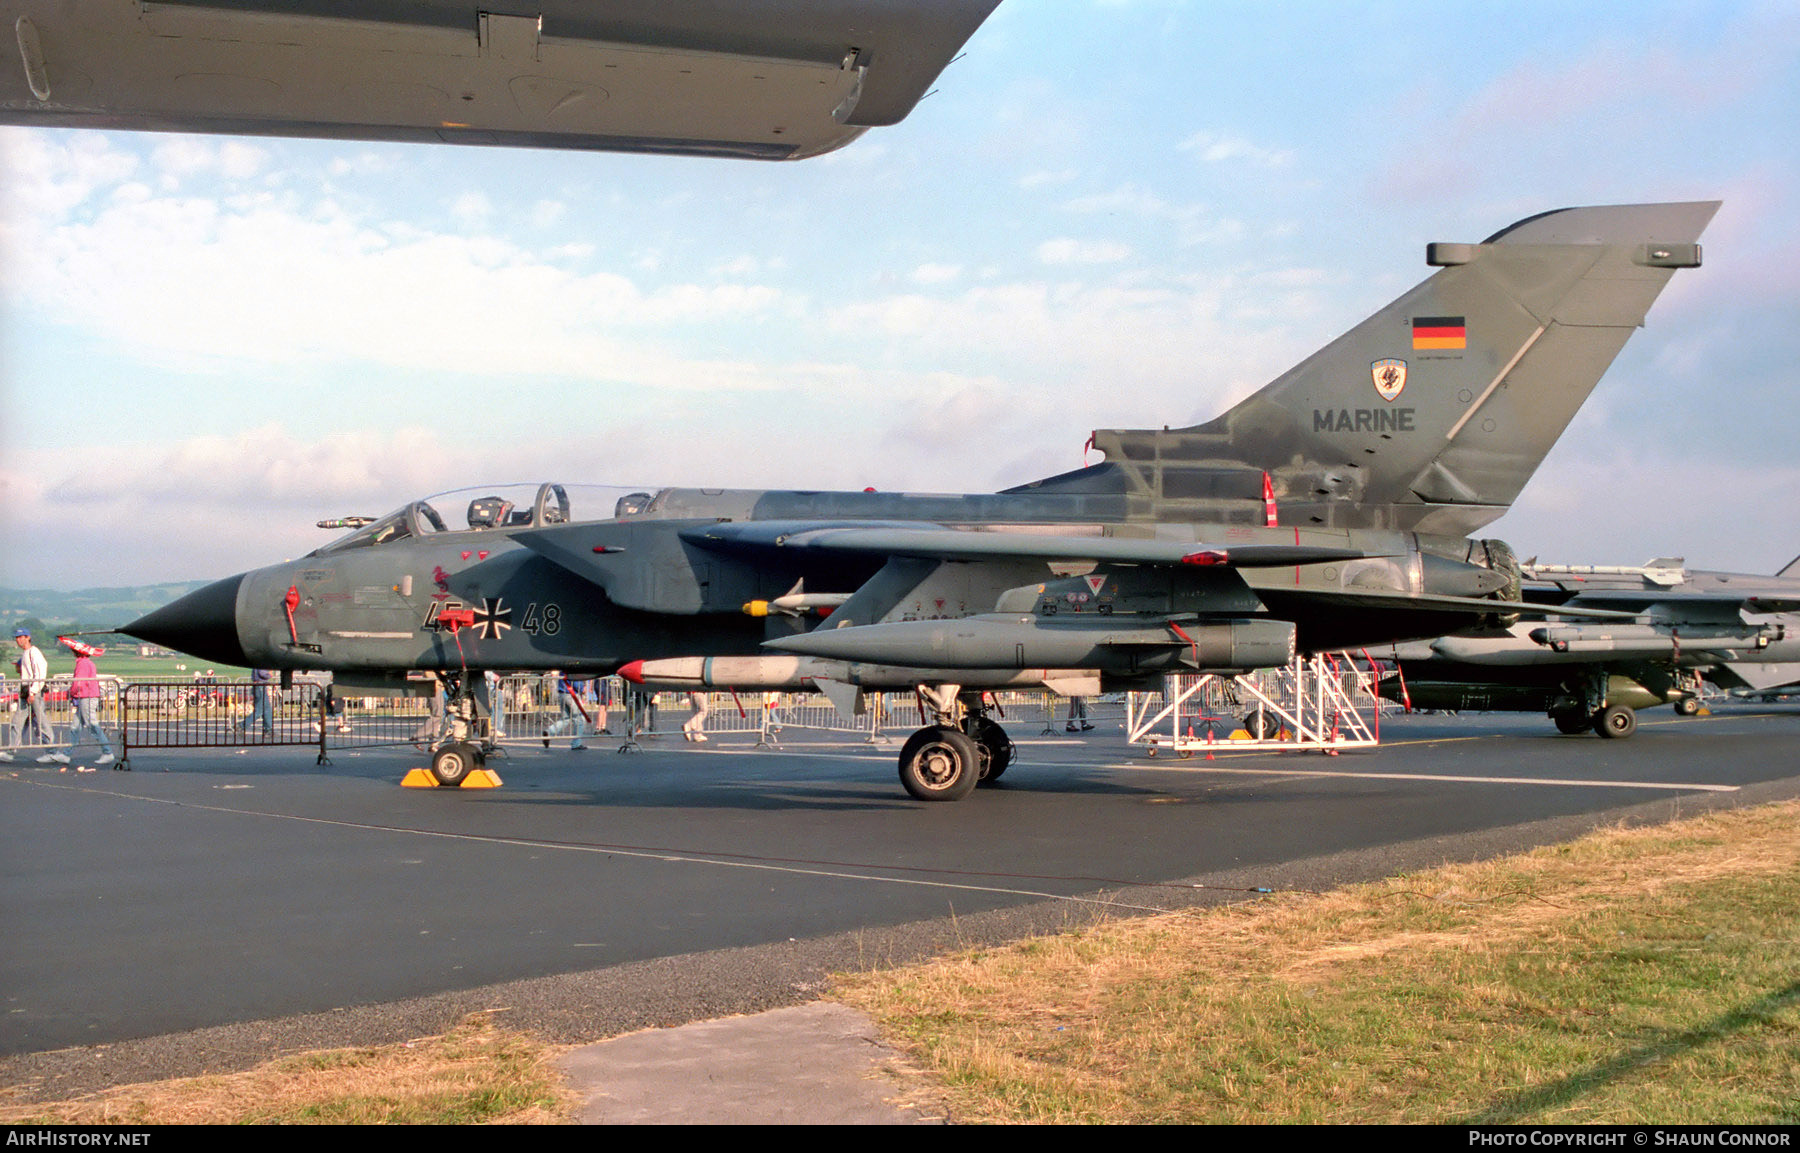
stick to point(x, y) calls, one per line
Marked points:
point(213, 908)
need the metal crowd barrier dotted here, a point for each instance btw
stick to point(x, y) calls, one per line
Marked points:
point(218, 714)
point(175, 712)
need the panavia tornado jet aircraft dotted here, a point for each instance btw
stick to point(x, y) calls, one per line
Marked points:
point(1741, 630)
point(763, 79)
point(1382, 452)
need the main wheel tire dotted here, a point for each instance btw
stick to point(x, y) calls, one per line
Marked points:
point(453, 763)
point(1570, 722)
point(1687, 706)
point(1260, 724)
point(994, 748)
point(1615, 722)
point(940, 764)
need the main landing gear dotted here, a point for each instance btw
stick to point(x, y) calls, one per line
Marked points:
point(1585, 706)
point(1614, 722)
point(947, 760)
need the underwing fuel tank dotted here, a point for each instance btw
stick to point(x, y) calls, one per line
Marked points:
point(1007, 640)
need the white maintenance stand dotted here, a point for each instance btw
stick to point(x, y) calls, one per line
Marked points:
point(1323, 703)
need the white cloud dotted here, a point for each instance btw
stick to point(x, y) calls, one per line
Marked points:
point(206, 506)
point(367, 162)
point(266, 466)
point(1046, 179)
point(472, 209)
point(1194, 223)
point(47, 177)
point(1732, 517)
point(1066, 250)
point(936, 273)
point(211, 506)
point(179, 158)
point(745, 265)
point(1139, 351)
point(1215, 148)
point(1126, 200)
point(267, 279)
point(570, 253)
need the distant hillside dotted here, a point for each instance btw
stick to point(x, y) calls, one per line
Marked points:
point(88, 608)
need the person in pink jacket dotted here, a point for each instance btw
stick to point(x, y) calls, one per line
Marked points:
point(84, 694)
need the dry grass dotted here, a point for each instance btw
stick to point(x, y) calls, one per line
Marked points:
point(1641, 974)
point(477, 1073)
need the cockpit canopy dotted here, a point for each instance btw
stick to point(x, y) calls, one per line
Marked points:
point(492, 507)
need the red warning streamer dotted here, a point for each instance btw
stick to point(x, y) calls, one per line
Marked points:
point(292, 601)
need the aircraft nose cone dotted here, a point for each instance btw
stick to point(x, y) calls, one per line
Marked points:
point(202, 624)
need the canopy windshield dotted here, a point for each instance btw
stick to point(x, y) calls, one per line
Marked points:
point(489, 508)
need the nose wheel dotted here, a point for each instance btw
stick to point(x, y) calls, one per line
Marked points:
point(451, 764)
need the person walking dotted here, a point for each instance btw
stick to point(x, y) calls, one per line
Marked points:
point(28, 712)
point(262, 709)
point(600, 693)
point(84, 694)
point(694, 728)
point(568, 698)
point(1078, 718)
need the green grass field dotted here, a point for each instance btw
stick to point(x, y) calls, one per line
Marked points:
point(125, 664)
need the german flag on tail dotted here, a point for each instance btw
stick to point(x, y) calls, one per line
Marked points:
point(1434, 332)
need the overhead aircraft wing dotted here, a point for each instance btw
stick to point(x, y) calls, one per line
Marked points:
point(924, 569)
point(908, 539)
point(762, 79)
point(901, 542)
point(633, 560)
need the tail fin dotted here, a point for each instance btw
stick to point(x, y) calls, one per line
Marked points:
point(1792, 569)
point(1433, 413)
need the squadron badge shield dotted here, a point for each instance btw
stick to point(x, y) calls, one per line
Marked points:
point(1389, 376)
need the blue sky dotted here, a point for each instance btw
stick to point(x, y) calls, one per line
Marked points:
point(1108, 215)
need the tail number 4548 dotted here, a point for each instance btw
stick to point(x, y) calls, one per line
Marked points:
point(545, 619)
